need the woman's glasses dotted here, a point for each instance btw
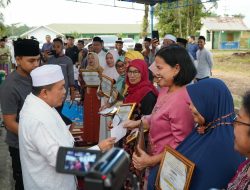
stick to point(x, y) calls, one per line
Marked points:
point(119, 66)
point(135, 73)
point(235, 121)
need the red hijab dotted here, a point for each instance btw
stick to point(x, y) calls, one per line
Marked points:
point(136, 92)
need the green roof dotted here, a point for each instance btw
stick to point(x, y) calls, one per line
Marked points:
point(96, 28)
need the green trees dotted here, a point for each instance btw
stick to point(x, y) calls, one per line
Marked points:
point(3, 3)
point(145, 22)
point(180, 21)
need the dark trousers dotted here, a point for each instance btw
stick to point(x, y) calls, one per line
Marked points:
point(65, 119)
point(16, 166)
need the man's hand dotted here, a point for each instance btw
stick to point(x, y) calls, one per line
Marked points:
point(107, 144)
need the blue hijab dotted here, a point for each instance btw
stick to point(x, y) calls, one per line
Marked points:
point(213, 152)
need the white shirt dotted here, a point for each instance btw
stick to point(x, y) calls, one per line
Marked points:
point(41, 133)
point(102, 58)
point(205, 63)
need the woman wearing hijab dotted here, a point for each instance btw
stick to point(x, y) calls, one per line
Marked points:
point(171, 120)
point(140, 89)
point(211, 144)
point(93, 63)
point(91, 103)
point(241, 179)
point(120, 83)
point(110, 71)
point(144, 94)
point(131, 55)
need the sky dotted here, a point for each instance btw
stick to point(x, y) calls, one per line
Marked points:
point(44, 12)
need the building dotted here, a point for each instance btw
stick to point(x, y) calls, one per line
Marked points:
point(225, 33)
point(85, 30)
point(40, 32)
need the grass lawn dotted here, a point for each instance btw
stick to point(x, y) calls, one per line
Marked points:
point(234, 70)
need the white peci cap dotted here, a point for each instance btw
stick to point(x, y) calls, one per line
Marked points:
point(170, 37)
point(46, 75)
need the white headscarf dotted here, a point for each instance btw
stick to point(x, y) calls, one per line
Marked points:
point(111, 71)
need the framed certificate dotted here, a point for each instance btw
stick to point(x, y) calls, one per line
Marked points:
point(106, 85)
point(114, 96)
point(91, 78)
point(175, 171)
point(134, 135)
point(108, 111)
point(125, 111)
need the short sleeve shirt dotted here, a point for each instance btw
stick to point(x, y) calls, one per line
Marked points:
point(13, 92)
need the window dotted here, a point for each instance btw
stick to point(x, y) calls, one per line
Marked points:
point(208, 36)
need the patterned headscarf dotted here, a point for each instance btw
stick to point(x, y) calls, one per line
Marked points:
point(134, 55)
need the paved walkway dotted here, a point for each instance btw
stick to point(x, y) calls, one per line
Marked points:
point(6, 180)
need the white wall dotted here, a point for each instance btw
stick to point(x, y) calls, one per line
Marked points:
point(203, 32)
point(40, 34)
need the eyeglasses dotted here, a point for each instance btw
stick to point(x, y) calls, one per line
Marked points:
point(135, 73)
point(119, 66)
point(235, 121)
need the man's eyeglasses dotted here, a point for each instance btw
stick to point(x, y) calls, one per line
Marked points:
point(135, 73)
point(235, 121)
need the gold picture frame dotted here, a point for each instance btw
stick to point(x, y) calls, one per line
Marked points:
point(134, 135)
point(114, 96)
point(108, 111)
point(91, 78)
point(123, 113)
point(106, 85)
point(175, 171)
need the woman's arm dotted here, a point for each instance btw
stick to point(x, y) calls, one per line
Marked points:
point(130, 124)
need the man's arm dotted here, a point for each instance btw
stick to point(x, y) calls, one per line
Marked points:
point(210, 60)
point(9, 103)
point(10, 123)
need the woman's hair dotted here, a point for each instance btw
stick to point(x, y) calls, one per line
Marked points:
point(246, 103)
point(174, 55)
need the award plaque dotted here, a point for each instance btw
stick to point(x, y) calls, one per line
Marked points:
point(108, 111)
point(125, 111)
point(106, 85)
point(114, 96)
point(175, 171)
point(134, 135)
point(91, 78)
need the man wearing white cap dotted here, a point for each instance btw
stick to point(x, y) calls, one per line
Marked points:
point(168, 40)
point(42, 131)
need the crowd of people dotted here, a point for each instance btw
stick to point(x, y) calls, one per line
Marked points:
point(177, 102)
